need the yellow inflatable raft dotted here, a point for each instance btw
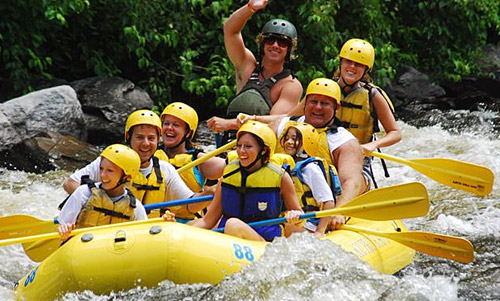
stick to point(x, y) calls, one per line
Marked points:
point(125, 257)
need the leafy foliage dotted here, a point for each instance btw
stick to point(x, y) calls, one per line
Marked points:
point(175, 50)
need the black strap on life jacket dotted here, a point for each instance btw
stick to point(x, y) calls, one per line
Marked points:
point(156, 168)
point(111, 213)
point(84, 180)
point(159, 178)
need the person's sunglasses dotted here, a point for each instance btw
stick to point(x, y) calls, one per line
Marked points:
point(282, 41)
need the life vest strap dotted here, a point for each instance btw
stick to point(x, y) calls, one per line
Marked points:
point(111, 213)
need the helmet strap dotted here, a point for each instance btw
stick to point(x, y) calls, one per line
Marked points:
point(121, 182)
point(184, 139)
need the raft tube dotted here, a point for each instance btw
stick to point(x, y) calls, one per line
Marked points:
point(125, 257)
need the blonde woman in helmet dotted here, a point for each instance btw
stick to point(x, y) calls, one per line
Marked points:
point(179, 123)
point(252, 189)
point(157, 180)
point(107, 201)
point(336, 145)
point(364, 104)
point(316, 183)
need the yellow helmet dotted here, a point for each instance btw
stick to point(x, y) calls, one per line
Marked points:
point(142, 117)
point(310, 136)
point(184, 113)
point(359, 51)
point(124, 157)
point(261, 130)
point(324, 86)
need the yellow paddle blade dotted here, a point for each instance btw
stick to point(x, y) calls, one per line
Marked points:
point(393, 202)
point(207, 156)
point(20, 225)
point(445, 246)
point(457, 174)
point(461, 175)
point(45, 243)
point(39, 250)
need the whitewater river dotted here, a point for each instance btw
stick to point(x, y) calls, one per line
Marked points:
point(304, 268)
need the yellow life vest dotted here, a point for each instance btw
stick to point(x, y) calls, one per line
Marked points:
point(303, 191)
point(357, 113)
point(323, 149)
point(161, 155)
point(150, 189)
point(101, 210)
point(192, 177)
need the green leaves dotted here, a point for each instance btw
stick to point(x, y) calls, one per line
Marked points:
point(175, 50)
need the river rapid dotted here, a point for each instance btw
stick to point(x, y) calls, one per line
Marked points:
point(304, 268)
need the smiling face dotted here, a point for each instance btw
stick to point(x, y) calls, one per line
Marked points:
point(276, 47)
point(248, 148)
point(173, 130)
point(111, 175)
point(144, 141)
point(351, 71)
point(319, 110)
point(291, 142)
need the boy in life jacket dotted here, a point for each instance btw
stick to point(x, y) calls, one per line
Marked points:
point(179, 123)
point(316, 183)
point(252, 189)
point(263, 85)
point(108, 201)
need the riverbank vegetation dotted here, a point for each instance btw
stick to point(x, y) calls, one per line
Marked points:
point(174, 48)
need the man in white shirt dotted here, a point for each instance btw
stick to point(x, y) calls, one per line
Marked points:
point(142, 133)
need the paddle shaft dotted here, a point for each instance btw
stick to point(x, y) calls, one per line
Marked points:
point(369, 207)
point(179, 202)
point(207, 156)
point(53, 235)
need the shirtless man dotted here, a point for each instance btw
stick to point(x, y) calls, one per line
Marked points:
point(263, 85)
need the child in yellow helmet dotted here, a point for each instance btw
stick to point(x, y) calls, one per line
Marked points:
point(108, 201)
point(316, 183)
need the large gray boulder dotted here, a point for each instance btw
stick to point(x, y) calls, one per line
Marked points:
point(55, 109)
point(106, 104)
point(412, 85)
point(48, 151)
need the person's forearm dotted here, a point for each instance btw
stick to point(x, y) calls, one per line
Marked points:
point(350, 189)
point(236, 22)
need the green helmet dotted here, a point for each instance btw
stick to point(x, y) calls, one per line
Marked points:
point(279, 26)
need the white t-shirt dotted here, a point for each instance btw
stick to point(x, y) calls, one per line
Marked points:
point(335, 140)
point(314, 178)
point(175, 188)
point(81, 195)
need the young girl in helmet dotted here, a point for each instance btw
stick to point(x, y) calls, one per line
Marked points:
point(179, 123)
point(108, 201)
point(316, 183)
point(252, 189)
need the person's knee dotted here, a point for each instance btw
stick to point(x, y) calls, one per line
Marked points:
point(233, 226)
